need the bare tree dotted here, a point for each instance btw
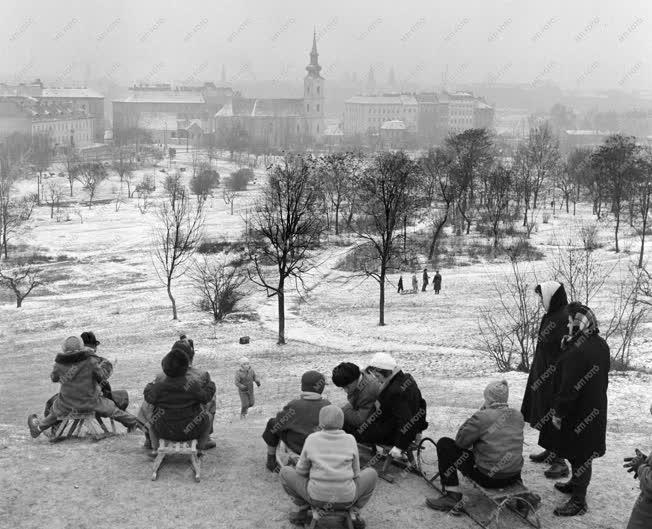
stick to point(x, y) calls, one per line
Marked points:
point(618, 162)
point(337, 171)
point(508, 329)
point(385, 191)
point(204, 181)
point(641, 195)
point(21, 280)
point(123, 160)
point(436, 169)
point(229, 195)
point(219, 284)
point(284, 227)
point(53, 194)
point(91, 174)
point(176, 238)
point(41, 156)
point(496, 203)
point(71, 161)
point(14, 211)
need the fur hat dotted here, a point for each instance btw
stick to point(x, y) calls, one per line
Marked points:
point(345, 373)
point(496, 391)
point(331, 417)
point(185, 346)
point(313, 381)
point(175, 363)
point(89, 338)
point(72, 344)
point(383, 361)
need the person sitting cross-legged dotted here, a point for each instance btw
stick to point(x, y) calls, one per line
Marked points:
point(297, 420)
point(328, 473)
point(179, 401)
point(400, 413)
point(488, 449)
point(362, 390)
point(80, 372)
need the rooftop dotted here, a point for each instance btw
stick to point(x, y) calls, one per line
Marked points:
point(243, 106)
point(163, 96)
point(398, 99)
point(394, 124)
point(71, 93)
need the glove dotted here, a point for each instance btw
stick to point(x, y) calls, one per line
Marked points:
point(257, 383)
point(556, 422)
point(395, 452)
point(632, 464)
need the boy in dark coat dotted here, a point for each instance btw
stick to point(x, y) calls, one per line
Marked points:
point(400, 410)
point(436, 282)
point(79, 372)
point(425, 280)
point(400, 284)
point(362, 391)
point(580, 404)
point(179, 400)
point(297, 420)
point(641, 466)
point(539, 390)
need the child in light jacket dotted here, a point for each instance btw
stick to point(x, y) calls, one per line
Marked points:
point(244, 380)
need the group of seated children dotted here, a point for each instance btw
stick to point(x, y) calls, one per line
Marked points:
point(384, 407)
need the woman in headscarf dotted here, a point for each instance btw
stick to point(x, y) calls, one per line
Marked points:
point(539, 390)
point(579, 410)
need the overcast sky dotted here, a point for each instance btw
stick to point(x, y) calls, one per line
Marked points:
point(578, 44)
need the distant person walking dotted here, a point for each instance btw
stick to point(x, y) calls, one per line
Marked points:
point(244, 380)
point(426, 280)
point(400, 284)
point(415, 283)
point(436, 282)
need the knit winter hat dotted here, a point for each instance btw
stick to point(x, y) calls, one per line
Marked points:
point(496, 391)
point(72, 344)
point(243, 360)
point(313, 381)
point(331, 417)
point(345, 373)
point(175, 363)
point(89, 338)
point(185, 346)
point(383, 361)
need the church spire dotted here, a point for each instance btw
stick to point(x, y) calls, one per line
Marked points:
point(314, 68)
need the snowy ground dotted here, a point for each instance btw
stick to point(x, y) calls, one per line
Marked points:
point(106, 283)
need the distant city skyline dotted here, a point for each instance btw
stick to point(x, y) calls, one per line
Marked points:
point(581, 45)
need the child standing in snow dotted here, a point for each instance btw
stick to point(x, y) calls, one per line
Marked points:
point(244, 380)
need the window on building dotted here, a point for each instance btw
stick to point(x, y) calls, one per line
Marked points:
point(317, 128)
point(308, 108)
point(317, 89)
point(317, 108)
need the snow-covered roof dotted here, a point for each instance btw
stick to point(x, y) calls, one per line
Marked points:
point(243, 106)
point(71, 93)
point(157, 121)
point(162, 96)
point(398, 99)
point(394, 124)
point(585, 132)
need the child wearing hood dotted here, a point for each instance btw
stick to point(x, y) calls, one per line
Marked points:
point(244, 380)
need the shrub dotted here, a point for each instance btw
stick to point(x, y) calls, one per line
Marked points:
point(219, 284)
point(203, 183)
point(240, 179)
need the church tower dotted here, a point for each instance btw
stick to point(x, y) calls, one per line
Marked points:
point(313, 94)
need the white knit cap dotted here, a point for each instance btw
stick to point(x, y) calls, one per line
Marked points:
point(244, 360)
point(383, 361)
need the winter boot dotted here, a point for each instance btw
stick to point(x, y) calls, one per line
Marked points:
point(271, 464)
point(540, 457)
point(558, 469)
point(566, 488)
point(33, 423)
point(301, 517)
point(449, 502)
point(573, 507)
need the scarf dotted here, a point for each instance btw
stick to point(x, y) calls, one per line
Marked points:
point(584, 324)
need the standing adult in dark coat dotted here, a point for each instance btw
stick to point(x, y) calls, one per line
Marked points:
point(580, 404)
point(436, 282)
point(426, 280)
point(400, 284)
point(539, 392)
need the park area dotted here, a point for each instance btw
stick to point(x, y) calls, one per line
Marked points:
point(100, 277)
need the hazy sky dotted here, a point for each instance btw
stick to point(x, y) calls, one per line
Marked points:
point(578, 44)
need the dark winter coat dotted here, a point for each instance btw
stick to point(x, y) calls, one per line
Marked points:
point(179, 414)
point(79, 374)
point(400, 414)
point(580, 385)
point(537, 400)
point(437, 281)
point(244, 380)
point(641, 517)
point(296, 421)
point(362, 400)
point(426, 279)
